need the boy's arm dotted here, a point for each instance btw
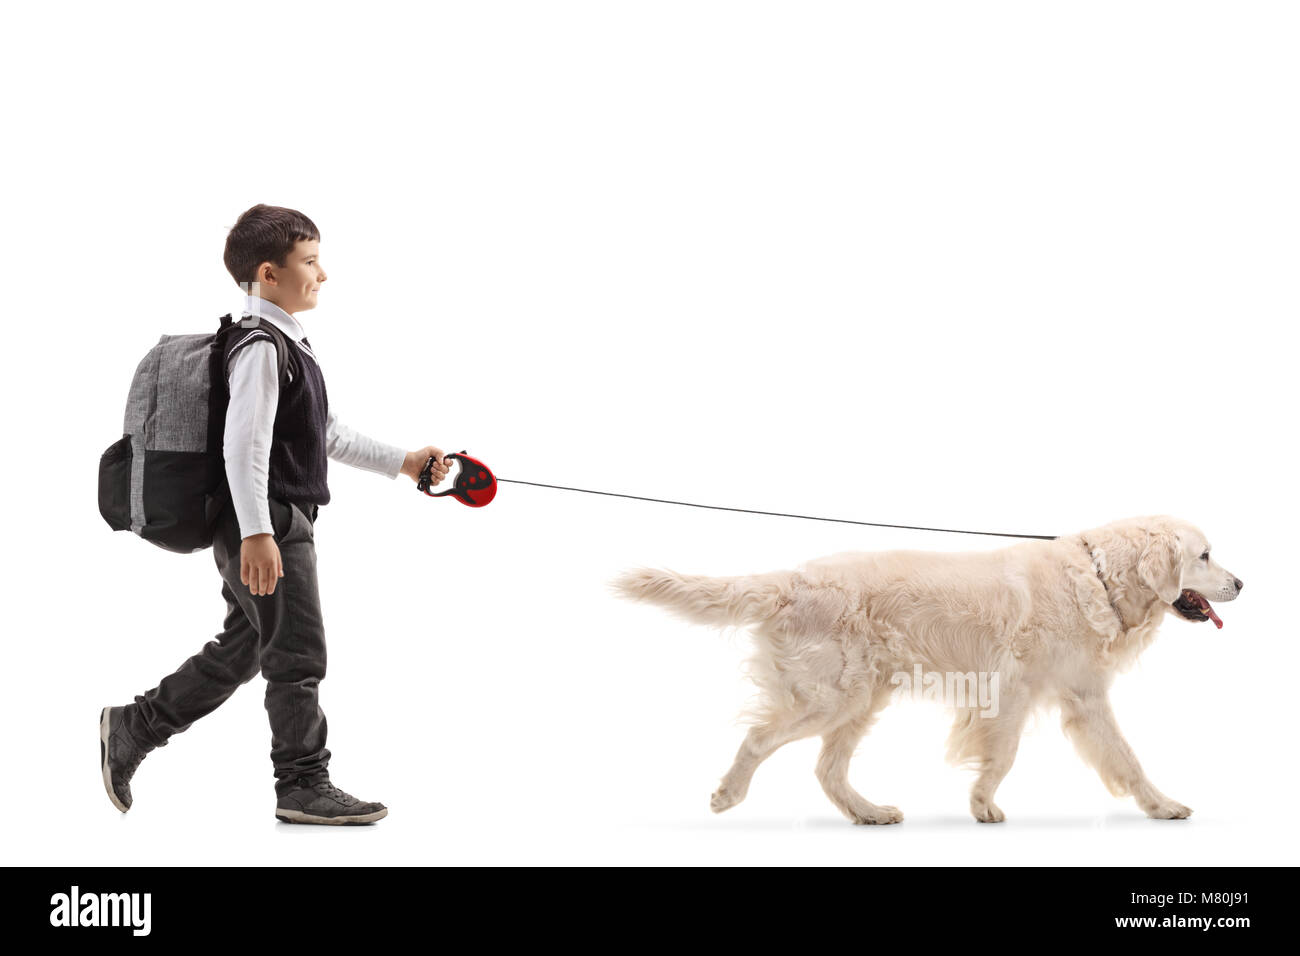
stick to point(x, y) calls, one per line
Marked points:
point(350, 447)
point(250, 419)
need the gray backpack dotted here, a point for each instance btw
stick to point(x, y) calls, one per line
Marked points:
point(165, 478)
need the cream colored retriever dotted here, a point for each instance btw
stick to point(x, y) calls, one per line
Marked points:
point(1041, 622)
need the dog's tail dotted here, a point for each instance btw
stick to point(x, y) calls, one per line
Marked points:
point(704, 600)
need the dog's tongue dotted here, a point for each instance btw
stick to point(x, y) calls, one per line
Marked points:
point(1205, 606)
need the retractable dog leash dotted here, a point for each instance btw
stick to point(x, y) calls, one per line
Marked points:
point(475, 485)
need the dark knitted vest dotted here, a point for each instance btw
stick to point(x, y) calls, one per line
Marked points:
point(299, 462)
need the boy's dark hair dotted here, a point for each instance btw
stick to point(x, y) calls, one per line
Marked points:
point(264, 234)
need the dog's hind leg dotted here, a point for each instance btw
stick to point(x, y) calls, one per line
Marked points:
point(998, 741)
point(833, 770)
point(761, 742)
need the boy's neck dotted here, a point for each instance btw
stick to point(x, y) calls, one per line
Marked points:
point(265, 308)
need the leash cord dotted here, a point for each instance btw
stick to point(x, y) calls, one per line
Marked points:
point(781, 514)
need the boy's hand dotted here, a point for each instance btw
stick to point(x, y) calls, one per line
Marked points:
point(259, 563)
point(415, 460)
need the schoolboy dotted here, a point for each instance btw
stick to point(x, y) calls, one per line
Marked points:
point(277, 442)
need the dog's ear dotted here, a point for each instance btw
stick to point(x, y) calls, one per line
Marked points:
point(1161, 566)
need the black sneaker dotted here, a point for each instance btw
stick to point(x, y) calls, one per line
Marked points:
point(316, 800)
point(119, 756)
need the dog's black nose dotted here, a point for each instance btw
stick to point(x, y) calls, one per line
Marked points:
point(1238, 583)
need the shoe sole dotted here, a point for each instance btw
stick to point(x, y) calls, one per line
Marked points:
point(297, 816)
point(103, 759)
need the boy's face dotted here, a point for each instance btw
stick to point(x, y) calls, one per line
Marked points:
point(293, 286)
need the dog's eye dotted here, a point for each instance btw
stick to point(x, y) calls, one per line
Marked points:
point(1205, 556)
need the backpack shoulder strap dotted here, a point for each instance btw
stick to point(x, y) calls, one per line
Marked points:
point(285, 359)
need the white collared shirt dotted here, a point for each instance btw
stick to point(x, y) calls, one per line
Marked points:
point(250, 420)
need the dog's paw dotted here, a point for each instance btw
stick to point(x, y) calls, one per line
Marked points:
point(724, 799)
point(1169, 810)
point(872, 815)
point(986, 812)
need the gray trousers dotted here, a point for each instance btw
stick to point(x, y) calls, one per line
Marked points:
point(279, 635)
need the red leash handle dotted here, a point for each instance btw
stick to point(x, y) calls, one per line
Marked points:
point(475, 485)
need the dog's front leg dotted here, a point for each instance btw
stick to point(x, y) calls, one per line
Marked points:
point(1088, 720)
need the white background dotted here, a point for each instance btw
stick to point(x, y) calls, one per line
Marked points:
point(1006, 266)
